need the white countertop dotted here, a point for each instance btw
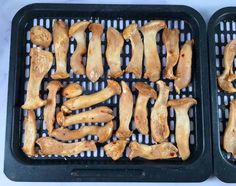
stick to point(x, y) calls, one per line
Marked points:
point(8, 8)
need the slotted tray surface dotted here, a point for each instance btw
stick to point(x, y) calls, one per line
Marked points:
point(222, 29)
point(225, 32)
point(119, 18)
point(89, 87)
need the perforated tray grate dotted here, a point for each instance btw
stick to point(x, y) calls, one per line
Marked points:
point(89, 87)
point(221, 30)
point(225, 32)
point(189, 23)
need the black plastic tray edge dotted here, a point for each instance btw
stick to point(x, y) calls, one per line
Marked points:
point(223, 169)
point(19, 171)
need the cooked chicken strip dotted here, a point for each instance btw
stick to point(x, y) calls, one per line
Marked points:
point(229, 139)
point(72, 90)
point(226, 85)
point(99, 114)
point(115, 149)
point(115, 44)
point(41, 62)
point(104, 133)
point(77, 31)
point(50, 146)
point(94, 68)
point(164, 150)
point(85, 101)
point(229, 55)
point(152, 60)
point(225, 79)
point(65, 110)
point(159, 115)
point(182, 129)
point(30, 134)
point(40, 36)
point(170, 39)
point(135, 65)
point(125, 112)
point(184, 67)
point(61, 45)
point(140, 113)
point(50, 107)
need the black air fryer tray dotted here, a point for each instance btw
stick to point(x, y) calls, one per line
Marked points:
point(95, 166)
point(221, 29)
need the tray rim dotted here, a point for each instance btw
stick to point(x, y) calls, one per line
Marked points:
point(222, 168)
point(17, 164)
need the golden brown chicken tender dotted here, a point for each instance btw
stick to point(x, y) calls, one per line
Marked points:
point(41, 62)
point(72, 90)
point(50, 146)
point(115, 44)
point(40, 36)
point(77, 31)
point(229, 138)
point(159, 114)
point(30, 134)
point(125, 112)
point(152, 60)
point(135, 65)
point(226, 78)
point(140, 113)
point(164, 150)
point(104, 133)
point(50, 107)
point(115, 149)
point(61, 45)
point(84, 101)
point(99, 114)
point(184, 67)
point(182, 131)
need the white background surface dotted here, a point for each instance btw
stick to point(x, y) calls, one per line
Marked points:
point(8, 8)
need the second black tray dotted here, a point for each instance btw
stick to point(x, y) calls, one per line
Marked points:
point(221, 29)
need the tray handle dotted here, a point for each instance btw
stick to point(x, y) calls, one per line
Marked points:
point(108, 173)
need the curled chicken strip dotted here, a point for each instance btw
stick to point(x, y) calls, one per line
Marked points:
point(104, 133)
point(50, 107)
point(159, 114)
point(164, 150)
point(84, 101)
point(125, 112)
point(41, 62)
point(182, 131)
point(40, 36)
point(115, 149)
point(65, 110)
point(152, 60)
point(229, 138)
point(77, 31)
point(72, 90)
point(115, 43)
point(30, 134)
point(135, 65)
point(184, 67)
point(140, 113)
point(94, 68)
point(99, 114)
point(50, 146)
point(226, 78)
point(61, 44)
point(170, 39)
